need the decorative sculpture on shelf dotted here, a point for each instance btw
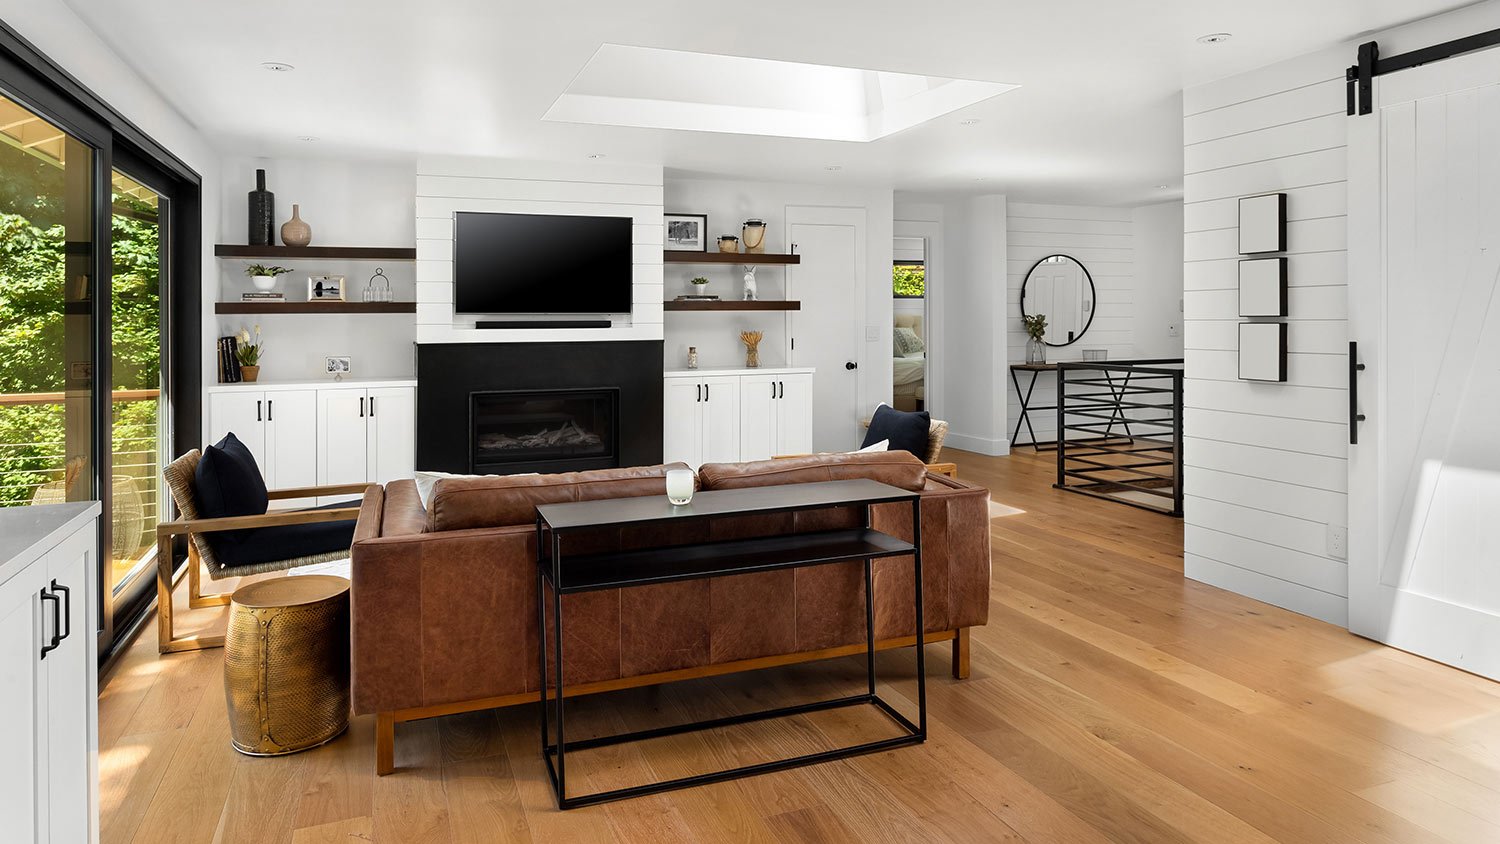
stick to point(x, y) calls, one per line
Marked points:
point(750, 288)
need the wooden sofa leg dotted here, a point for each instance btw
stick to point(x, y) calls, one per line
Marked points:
point(196, 599)
point(961, 654)
point(166, 637)
point(385, 743)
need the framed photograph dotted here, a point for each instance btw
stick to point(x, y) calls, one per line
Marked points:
point(1263, 287)
point(1263, 351)
point(325, 288)
point(1263, 224)
point(685, 232)
point(337, 365)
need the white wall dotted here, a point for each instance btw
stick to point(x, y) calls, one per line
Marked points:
point(347, 203)
point(728, 204)
point(445, 185)
point(1158, 280)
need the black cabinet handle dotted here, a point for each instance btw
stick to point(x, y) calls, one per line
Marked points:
point(361, 407)
point(270, 406)
point(56, 622)
point(783, 389)
point(257, 411)
point(773, 389)
point(1355, 417)
point(705, 392)
point(67, 609)
point(372, 407)
point(700, 392)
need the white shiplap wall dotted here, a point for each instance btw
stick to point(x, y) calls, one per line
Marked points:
point(1103, 240)
point(1265, 465)
point(446, 185)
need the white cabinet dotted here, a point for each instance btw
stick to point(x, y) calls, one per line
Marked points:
point(48, 675)
point(366, 435)
point(279, 427)
point(775, 415)
point(391, 434)
point(341, 436)
point(728, 416)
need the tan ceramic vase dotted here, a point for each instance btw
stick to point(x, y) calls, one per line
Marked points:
point(294, 232)
point(250, 373)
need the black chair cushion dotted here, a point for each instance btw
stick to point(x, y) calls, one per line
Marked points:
point(906, 431)
point(285, 542)
point(227, 482)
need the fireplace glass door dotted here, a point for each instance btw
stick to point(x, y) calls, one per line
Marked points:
point(544, 431)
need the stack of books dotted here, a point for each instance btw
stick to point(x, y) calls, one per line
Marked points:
point(697, 297)
point(229, 361)
point(262, 297)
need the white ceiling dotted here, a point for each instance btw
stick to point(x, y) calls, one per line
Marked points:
point(1097, 117)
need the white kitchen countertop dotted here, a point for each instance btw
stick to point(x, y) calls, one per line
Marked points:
point(313, 384)
point(764, 370)
point(28, 532)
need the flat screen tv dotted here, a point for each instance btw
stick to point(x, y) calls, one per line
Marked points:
point(541, 264)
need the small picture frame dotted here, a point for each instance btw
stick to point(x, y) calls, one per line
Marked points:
point(1263, 224)
point(325, 288)
point(337, 365)
point(1263, 287)
point(685, 232)
point(1262, 354)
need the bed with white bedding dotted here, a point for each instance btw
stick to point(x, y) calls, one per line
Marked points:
point(909, 365)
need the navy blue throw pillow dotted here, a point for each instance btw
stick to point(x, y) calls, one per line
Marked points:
point(227, 482)
point(906, 431)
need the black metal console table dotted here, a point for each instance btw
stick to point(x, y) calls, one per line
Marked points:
point(637, 567)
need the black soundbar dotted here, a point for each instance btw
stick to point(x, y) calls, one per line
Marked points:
point(545, 323)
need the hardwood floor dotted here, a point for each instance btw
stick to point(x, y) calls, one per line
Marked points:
point(1111, 700)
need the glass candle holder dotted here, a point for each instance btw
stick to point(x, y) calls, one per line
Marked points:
point(679, 486)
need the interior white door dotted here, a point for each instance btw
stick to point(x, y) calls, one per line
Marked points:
point(71, 693)
point(1424, 256)
point(291, 443)
point(794, 416)
point(343, 444)
point(682, 417)
point(22, 703)
point(721, 419)
point(827, 333)
point(391, 434)
point(243, 413)
point(758, 408)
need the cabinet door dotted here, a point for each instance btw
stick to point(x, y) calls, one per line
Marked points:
point(342, 438)
point(758, 404)
point(71, 670)
point(682, 428)
point(391, 434)
point(22, 704)
point(721, 419)
point(794, 417)
point(244, 414)
point(291, 443)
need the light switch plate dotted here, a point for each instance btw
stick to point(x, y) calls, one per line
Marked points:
point(872, 334)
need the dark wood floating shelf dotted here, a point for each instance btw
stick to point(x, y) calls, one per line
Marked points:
point(315, 307)
point(708, 305)
point(347, 253)
point(671, 257)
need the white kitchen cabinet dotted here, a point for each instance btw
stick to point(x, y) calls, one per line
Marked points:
point(278, 426)
point(728, 416)
point(391, 434)
point(49, 573)
point(366, 435)
point(342, 449)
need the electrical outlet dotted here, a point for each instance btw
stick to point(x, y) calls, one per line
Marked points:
point(1338, 542)
point(1174, 330)
point(872, 334)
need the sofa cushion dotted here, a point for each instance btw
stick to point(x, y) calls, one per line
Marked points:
point(906, 431)
point(503, 500)
point(897, 468)
point(228, 483)
point(286, 542)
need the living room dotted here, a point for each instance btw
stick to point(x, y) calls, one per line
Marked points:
point(600, 423)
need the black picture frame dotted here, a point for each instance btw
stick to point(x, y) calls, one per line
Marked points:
point(1262, 224)
point(1265, 339)
point(666, 232)
point(1255, 276)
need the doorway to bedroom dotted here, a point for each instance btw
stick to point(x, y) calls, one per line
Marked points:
point(909, 347)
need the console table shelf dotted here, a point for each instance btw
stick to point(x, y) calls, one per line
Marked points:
point(731, 305)
point(347, 253)
point(315, 307)
point(745, 258)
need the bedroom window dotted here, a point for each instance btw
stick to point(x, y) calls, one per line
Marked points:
point(909, 279)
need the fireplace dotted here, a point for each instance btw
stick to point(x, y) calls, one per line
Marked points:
point(543, 430)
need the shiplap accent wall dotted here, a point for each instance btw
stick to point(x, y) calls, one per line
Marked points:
point(1103, 240)
point(1265, 465)
point(446, 185)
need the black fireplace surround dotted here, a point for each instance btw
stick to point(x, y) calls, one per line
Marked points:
point(506, 408)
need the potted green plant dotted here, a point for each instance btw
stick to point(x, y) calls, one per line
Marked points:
point(1036, 329)
point(700, 286)
point(248, 352)
point(264, 277)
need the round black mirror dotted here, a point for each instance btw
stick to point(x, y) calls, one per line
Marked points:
point(1059, 288)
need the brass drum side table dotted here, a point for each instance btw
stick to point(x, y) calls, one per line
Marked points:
point(286, 664)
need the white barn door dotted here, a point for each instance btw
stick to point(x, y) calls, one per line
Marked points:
point(1424, 255)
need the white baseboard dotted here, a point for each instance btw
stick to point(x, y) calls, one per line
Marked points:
point(979, 445)
point(1323, 606)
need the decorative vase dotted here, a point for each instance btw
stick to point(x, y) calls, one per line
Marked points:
point(692, 362)
point(250, 373)
point(753, 232)
point(729, 243)
point(752, 357)
point(264, 282)
point(294, 232)
point(262, 207)
point(1036, 350)
point(750, 289)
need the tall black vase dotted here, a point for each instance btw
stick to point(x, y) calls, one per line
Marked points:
point(262, 213)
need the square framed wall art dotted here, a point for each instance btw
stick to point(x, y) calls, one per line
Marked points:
point(1262, 354)
point(1263, 224)
point(1263, 287)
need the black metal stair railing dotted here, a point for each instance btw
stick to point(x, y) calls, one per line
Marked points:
point(1119, 431)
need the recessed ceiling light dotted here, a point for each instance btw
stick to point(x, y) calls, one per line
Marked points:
point(1214, 38)
point(970, 121)
point(307, 138)
point(834, 167)
point(596, 155)
point(277, 67)
point(1162, 187)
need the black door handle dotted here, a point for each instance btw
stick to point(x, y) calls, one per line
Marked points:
point(1355, 417)
point(849, 364)
point(67, 609)
point(56, 622)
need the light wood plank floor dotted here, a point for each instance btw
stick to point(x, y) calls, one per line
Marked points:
point(1111, 700)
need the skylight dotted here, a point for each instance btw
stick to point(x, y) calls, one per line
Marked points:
point(671, 89)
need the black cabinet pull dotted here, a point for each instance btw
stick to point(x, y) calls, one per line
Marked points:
point(361, 407)
point(782, 384)
point(372, 407)
point(67, 609)
point(257, 411)
point(705, 392)
point(773, 389)
point(56, 622)
point(1355, 417)
point(699, 387)
point(270, 408)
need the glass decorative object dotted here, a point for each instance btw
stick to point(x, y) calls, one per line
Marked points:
point(692, 361)
point(679, 486)
point(751, 339)
point(1036, 350)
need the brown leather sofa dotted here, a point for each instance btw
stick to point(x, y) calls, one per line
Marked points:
point(444, 602)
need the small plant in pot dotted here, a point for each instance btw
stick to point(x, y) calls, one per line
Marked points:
point(248, 352)
point(700, 286)
point(264, 277)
